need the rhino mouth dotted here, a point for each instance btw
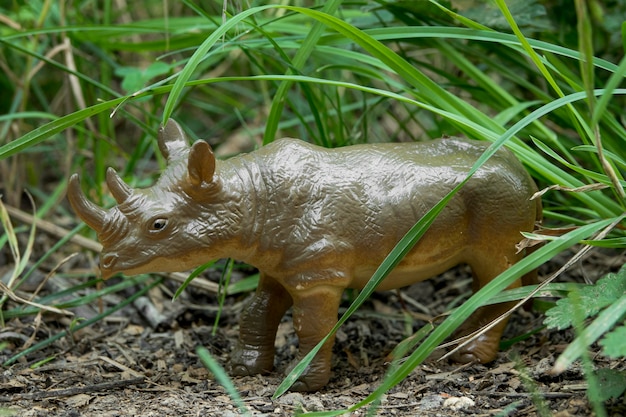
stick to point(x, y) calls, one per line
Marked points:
point(107, 265)
point(113, 263)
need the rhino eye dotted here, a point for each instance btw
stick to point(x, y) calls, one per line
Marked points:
point(158, 225)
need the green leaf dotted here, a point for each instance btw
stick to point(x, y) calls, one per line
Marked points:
point(590, 300)
point(561, 315)
point(591, 333)
point(529, 14)
point(614, 343)
point(134, 79)
point(611, 384)
point(606, 291)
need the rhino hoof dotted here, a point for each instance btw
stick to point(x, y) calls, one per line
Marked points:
point(240, 370)
point(302, 386)
point(475, 353)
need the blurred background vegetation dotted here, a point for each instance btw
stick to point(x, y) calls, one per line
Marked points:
point(85, 84)
point(60, 57)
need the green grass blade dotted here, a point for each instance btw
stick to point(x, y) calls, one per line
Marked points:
point(528, 48)
point(44, 132)
point(223, 291)
point(617, 77)
point(86, 299)
point(603, 205)
point(27, 115)
point(199, 55)
point(83, 324)
point(445, 32)
point(222, 377)
point(298, 62)
point(426, 88)
point(55, 64)
point(190, 278)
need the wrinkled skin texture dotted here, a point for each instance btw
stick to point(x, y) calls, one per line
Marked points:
point(316, 221)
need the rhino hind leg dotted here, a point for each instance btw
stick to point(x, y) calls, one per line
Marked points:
point(485, 348)
point(254, 352)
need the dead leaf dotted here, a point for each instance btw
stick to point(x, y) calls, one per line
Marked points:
point(78, 400)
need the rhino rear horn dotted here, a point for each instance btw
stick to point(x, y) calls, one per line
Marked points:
point(118, 188)
point(201, 164)
point(172, 139)
point(85, 209)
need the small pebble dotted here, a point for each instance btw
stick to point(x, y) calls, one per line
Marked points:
point(458, 403)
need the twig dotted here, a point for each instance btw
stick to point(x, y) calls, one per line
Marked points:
point(149, 311)
point(121, 367)
point(53, 229)
point(105, 386)
point(9, 293)
point(523, 394)
point(583, 189)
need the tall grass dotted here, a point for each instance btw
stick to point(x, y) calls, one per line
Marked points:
point(86, 88)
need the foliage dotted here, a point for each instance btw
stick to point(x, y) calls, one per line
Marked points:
point(613, 343)
point(611, 384)
point(587, 300)
point(606, 302)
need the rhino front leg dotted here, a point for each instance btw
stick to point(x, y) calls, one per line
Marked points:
point(314, 315)
point(254, 352)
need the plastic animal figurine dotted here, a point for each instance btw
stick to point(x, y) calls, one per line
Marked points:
point(316, 221)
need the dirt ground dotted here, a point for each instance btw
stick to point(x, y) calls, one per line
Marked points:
point(130, 364)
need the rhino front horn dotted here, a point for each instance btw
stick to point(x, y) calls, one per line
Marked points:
point(85, 209)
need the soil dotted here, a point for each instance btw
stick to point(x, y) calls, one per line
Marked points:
point(142, 360)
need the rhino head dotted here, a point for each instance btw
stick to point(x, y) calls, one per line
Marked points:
point(164, 228)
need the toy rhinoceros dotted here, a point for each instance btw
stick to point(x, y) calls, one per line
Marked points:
point(316, 221)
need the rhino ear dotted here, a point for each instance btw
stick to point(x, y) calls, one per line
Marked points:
point(172, 139)
point(201, 165)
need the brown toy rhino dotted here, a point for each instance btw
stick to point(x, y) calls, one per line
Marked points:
point(316, 221)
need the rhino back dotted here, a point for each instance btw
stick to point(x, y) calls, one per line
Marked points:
point(368, 195)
